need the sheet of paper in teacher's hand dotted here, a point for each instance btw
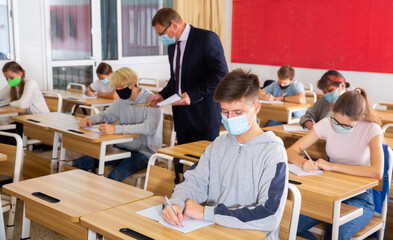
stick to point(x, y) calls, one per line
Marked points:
point(174, 98)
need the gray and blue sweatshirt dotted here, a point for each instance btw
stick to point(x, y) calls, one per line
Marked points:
point(144, 120)
point(244, 186)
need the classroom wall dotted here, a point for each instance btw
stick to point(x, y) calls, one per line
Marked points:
point(378, 85)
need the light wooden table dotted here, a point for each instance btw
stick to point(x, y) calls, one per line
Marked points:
point(280, 112)
point(317, 150)
point(389, 105)
point(109, 222)
point(77, 139)
point(80, 193)
point(8, 111)
point(72, 98)
point(3, 157)
point(179, 151)
point(322, 196)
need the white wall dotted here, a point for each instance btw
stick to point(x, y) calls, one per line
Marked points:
point(378, 85)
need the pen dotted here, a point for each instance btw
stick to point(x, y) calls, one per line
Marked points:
point(308, 156)
point(170, 205)
point(312, 119)
point(108, 121)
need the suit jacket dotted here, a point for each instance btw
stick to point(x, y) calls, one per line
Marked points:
point(203, 67)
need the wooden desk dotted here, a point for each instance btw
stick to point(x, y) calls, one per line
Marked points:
point(280, 112)
point(317, 150)
point(72, 98)
point(179, 151)
point(109, 222)
point(322, 196)
point(79, 192)
point(8, 111)
point(389, 105)
point(3, 157)
point(82, 141)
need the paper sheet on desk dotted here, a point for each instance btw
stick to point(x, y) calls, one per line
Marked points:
point(298, 171)
point(271, 102)
point(94, 128)
point(174, 98)
point(189, 224)
point(87, 97)
point(294, 128)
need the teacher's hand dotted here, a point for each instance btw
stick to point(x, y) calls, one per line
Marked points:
point(185, 100)
point(154, 100)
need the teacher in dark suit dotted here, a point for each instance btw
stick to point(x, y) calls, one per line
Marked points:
point(197, 64)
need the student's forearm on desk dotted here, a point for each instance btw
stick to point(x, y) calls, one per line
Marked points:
point(110, 95)
point(299, 98)
point(300, 145)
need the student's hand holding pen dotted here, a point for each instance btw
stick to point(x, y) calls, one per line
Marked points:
point(170, 216)
point(85, 122)
point(309, 165)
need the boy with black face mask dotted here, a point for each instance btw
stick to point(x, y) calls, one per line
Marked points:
point(132, 118)
point(286, 89)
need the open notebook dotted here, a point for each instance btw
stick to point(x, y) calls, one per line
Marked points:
point(189, 224)
point(298, 171)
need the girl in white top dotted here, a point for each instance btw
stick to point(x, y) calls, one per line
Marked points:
point(101, 86)
point(23, 93)
point(354, 146)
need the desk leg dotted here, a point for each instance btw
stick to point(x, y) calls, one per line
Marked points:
point(101, 163)
point(54, 159)
point(336, 220)
point(25, 225)
point(91, 235)
point(62, 157)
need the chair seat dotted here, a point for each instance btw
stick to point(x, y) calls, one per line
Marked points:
point(364, 232)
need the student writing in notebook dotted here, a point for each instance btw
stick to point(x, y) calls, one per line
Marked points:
point(132, 119)
point(23, 93)
point(101, 86)
point(286, 89)
point(242, 176)
point(332, 84)
point(354, 146)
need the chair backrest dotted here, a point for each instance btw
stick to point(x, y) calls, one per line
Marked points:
point(308, 86)
point(168, 133)
point(311, 97)
point(14, 157)
point(71, 87)
point(386, 126)
point(290, 218)
point(143, 81)
point(54, 101)
point(161, 181)
point(90, 110)
point(267, 83)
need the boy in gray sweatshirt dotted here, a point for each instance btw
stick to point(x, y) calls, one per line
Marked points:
point(242, 176)
point(141, 119)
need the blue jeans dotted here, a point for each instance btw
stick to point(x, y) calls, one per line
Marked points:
point(346, 231)
point(124, 168)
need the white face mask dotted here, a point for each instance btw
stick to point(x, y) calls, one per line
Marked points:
point(236, 125)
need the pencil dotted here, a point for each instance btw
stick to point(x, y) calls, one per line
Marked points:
point(170, 205)
point(140, 105)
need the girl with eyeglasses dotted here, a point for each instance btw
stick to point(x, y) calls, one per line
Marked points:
point(354, 146)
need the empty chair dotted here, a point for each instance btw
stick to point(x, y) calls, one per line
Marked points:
point(76, 87)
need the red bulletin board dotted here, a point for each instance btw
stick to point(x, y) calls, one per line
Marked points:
point(328, 34)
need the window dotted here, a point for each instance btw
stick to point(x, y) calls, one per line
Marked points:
point(70, 29)
point(5, 47)
point(109, 29)
point(77, 74)
point(138, 36)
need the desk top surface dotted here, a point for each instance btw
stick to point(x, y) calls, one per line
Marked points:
point(333, 186)
point(389, 103)
point(3, 157)
point(284, 105)
point(77, 98)
point(79, 192)
point(63, 123)
point(386, 116)
point(109, 222)
point(8, 109)
point(179, 151)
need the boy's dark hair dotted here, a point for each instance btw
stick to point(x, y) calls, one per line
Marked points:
point(104, 69)
point(331, 77)
point(165, 16)
point(236, 85)
point(286, 72)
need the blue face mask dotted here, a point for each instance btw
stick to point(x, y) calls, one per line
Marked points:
point(340, 129)
point(167, 40)
point(236, 125)
point(331, 97)
point(105, 81)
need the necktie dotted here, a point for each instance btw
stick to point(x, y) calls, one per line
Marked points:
point(177, 69)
